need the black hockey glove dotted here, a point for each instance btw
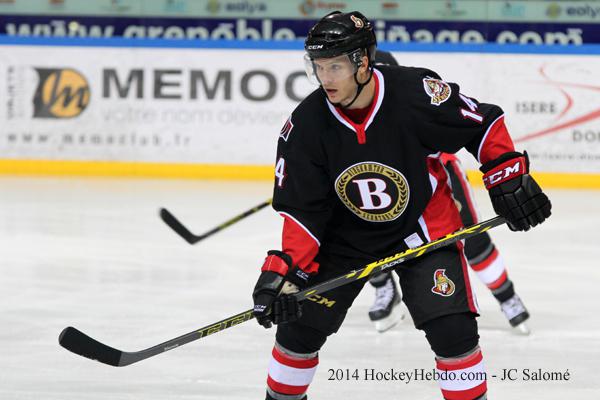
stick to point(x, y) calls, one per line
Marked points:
point(278, 279)
point(515, 195)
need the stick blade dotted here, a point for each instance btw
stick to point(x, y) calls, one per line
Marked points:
point(177, 226)
point(81, 344)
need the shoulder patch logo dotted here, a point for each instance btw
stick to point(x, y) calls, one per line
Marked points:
point(287, 129)
point(438, 90)
point(442, 285)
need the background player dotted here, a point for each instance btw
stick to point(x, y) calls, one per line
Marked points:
point(481, 253)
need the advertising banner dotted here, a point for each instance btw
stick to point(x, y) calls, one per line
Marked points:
point(210, 106)
point(391, 29)
point(409, 10)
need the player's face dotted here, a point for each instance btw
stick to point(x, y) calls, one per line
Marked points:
point(336, 75)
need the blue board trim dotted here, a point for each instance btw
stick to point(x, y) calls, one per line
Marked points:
point(586, 49)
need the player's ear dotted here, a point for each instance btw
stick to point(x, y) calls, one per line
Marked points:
point(364, 66)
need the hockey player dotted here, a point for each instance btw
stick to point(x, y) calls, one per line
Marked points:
point(358, 177)
point(481, 253)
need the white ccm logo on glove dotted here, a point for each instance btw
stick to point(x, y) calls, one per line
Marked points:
point(504, 172)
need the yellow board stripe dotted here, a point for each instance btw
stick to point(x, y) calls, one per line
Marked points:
point(552, 180)
point(226, 172)
point(134, 169)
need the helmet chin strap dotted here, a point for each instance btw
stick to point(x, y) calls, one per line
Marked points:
point(360, 87)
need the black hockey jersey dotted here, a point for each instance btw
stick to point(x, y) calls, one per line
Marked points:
point(369, 190)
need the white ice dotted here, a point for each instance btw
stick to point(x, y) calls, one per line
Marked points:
point(93, 254)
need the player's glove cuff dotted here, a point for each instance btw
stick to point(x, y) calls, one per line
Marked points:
point(277, 261)
point(504, 168)
point(282, 264)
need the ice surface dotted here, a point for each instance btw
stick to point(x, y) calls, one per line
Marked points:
point(94, 254)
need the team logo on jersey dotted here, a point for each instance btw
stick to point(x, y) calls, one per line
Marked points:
point(438, 90)
point(287, 129)
point(442, 285)
point(373, 191)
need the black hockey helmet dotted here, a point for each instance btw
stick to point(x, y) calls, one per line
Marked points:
point(340, 33)
point(385, 58)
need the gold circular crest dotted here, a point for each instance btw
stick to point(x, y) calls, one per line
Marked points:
point(387, 200)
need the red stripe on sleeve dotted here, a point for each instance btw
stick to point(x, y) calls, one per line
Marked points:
point(496, 142)
point(301, 246)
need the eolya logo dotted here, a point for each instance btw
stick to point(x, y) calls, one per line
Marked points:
point(307, 7)
point(374, 192)
point(213, 6)
point(442, 285)
point(61, 93)
point(438, 90)
point(553, 10)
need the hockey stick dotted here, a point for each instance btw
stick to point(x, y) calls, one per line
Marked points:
point(191, 238)
point(83, 345)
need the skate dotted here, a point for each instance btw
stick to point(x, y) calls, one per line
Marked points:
point(516, 313)
point(386, 311)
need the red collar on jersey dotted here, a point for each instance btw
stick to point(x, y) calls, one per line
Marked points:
point(358, 117)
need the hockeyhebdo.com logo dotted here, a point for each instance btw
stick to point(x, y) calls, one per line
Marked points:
point(61, 93)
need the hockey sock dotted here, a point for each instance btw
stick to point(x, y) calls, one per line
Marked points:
point(504, 292)
point(490, 269)
point(290, 373)
point(462, 377)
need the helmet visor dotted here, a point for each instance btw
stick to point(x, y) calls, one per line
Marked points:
point(325, 71)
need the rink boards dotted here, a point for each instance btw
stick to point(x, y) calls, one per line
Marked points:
point(103, 107)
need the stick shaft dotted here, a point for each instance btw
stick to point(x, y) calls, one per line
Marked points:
point(79, 343)
point(179, 228)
